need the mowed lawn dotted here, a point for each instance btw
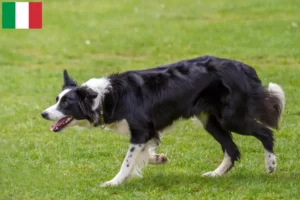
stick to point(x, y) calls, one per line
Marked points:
point(96, 38)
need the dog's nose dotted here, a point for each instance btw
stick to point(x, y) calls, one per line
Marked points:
point(44, 115)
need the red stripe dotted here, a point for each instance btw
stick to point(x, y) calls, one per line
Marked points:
point(35, 15)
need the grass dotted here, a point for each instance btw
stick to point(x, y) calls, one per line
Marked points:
point(96, 38)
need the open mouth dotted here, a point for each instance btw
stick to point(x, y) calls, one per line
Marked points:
point(62, 123)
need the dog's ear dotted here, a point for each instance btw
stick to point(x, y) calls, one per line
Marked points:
point(85, 93)
point(68, 82)
point(86, 98)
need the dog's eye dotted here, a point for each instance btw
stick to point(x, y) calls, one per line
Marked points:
point(65, 104)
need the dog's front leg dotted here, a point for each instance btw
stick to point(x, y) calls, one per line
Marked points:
point(130, 163)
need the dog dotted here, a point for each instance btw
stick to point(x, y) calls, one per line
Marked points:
point(225, 95)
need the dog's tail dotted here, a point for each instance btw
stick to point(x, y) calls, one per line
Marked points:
point(273, 105)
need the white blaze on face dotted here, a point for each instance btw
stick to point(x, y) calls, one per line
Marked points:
point(53, 111)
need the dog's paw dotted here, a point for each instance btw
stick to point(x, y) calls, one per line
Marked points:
point(270, 162)
point(158, 159)
point(111, 183)
point(211, 174)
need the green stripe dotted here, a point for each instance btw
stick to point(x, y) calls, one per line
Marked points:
point(8, 15)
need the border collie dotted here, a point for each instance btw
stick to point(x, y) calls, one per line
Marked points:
point(225, 95)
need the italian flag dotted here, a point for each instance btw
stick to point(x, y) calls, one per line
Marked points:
point(21, 15)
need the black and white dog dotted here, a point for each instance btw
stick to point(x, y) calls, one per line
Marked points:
point(225, 95)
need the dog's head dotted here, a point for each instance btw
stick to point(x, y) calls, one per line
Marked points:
point(73, 105)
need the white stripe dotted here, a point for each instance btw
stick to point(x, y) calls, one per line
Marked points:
point(130, 164)
point(270, 161)
point(223, 168)
point(22, 15)
point(225, 165)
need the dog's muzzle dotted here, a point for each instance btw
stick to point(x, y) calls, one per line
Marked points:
point(45, 115)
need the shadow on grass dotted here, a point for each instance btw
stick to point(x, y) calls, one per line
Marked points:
point(176, 180)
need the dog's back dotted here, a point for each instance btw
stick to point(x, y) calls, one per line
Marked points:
point(220, 87)
point(225, 95)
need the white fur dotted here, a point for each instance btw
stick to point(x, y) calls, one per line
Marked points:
point(128, 165)
point(53, 112)
point(99, 85)
point(276, 90)
point(270, 161)
point(157, 159)
point(222, 169)
point(133, 163)
point(122, 128)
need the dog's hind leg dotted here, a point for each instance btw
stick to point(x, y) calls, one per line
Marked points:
point(231, 152)
point(265, 135)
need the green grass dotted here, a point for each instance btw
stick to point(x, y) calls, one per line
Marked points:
point(124, 35)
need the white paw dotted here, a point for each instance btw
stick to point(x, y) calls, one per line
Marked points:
point(211, 174)
point(158, 159)
point(110, 183)
point(270, 162)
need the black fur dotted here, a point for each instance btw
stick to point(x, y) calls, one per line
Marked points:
point(68, 82)
point(69, 105)
point(229, 91)
point(78, 101)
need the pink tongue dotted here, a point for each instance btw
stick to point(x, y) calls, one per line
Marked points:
point(58, 124)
